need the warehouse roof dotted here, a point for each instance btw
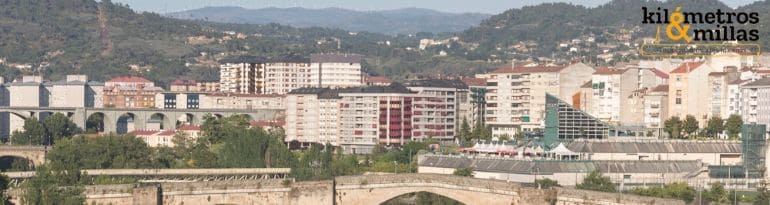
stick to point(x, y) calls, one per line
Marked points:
point(654, 146)
point(509, 165)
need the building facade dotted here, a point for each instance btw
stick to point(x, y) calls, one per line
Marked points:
point(130, 92)
point(755, 101)
point(516, 96)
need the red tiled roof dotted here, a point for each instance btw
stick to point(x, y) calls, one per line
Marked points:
point(129, 79)
point(738, 81)
point(660, 88)
point(378, 79)
point(660, 73)
point(166, 133)
point(609, 71)
point(183, 82)
point(474, 81)
point(762, 71)
point(687, 67)
point(189, 127)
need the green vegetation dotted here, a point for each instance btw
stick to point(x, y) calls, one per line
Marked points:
point(678, 190)
point(546, 183)
point(464, 172)
point(715, 126)
point(53, 128)
point(596, 182)
point(733, 126)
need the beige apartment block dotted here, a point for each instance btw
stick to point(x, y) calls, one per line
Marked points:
point(516, 96)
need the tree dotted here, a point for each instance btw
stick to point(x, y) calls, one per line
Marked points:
point(465, 172)
point(58, 126)
point(717, 193)
point(51, 186)
point(596, 182)
point(690, 125)
point(465, 131)
point(33, 134)
point(673, 126)
point(715, 126)
point(546, 183)
point(733, 126)
point(4, 185)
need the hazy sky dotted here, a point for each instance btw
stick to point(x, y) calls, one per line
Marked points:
point(457, 6)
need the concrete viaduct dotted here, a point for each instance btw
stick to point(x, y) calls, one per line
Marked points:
point(366, 189)
point(140, 116)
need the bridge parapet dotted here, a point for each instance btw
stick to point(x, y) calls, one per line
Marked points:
point(427, 178)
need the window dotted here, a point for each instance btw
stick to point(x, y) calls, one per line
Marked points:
point(678, 101)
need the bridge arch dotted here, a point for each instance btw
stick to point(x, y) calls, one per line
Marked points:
point(165, 121)
point(34, 154)
point(125, 123)
point(188, 118)
point(96, 121)
point(370, 189)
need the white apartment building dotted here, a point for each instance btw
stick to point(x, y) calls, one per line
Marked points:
point(280, 75)
point(516, 96)
point(312, 116)
point(755, 101)
point(734, 96)
point(335, 70)
point(656, 107)
point(719, 85)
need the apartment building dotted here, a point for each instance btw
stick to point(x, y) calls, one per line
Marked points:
point(755, 100)
point(182, 85)
point(516, 96)
point(689, 90)
point(130, 92)
point(242, 74)
point(74, 91)
point(280, 75)
point(335, 70)
point(312, 116)
point(379, 115)
point(284, 74)
point(439, 110)
point(478, 102)
point(734, 96)
point(656, 107)
point(611, 87)
point(719, 91)
point(242, 101)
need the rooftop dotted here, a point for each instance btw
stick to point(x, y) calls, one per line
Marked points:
point(438, 84)
point(508, 165)
point(184, 82)
point(378, 79)
point(335, 58)
point(764, 82)
point(654, 146)
point(474, 81)
point(687, 67)
point(129, 79)
point(660, 88)
point(609, 71)
point(260, 59)
point(392, 88)
point(530, 69)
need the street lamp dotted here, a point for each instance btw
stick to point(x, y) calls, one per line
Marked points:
point(395, 166)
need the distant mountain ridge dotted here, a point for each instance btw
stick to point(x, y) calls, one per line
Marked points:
point(400, 21)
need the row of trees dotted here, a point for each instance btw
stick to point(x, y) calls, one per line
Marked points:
point(688, 128)
point(53, 128)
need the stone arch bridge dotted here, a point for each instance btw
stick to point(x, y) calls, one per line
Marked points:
point(353, 190)
point(139, 116)
point(35, 154)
